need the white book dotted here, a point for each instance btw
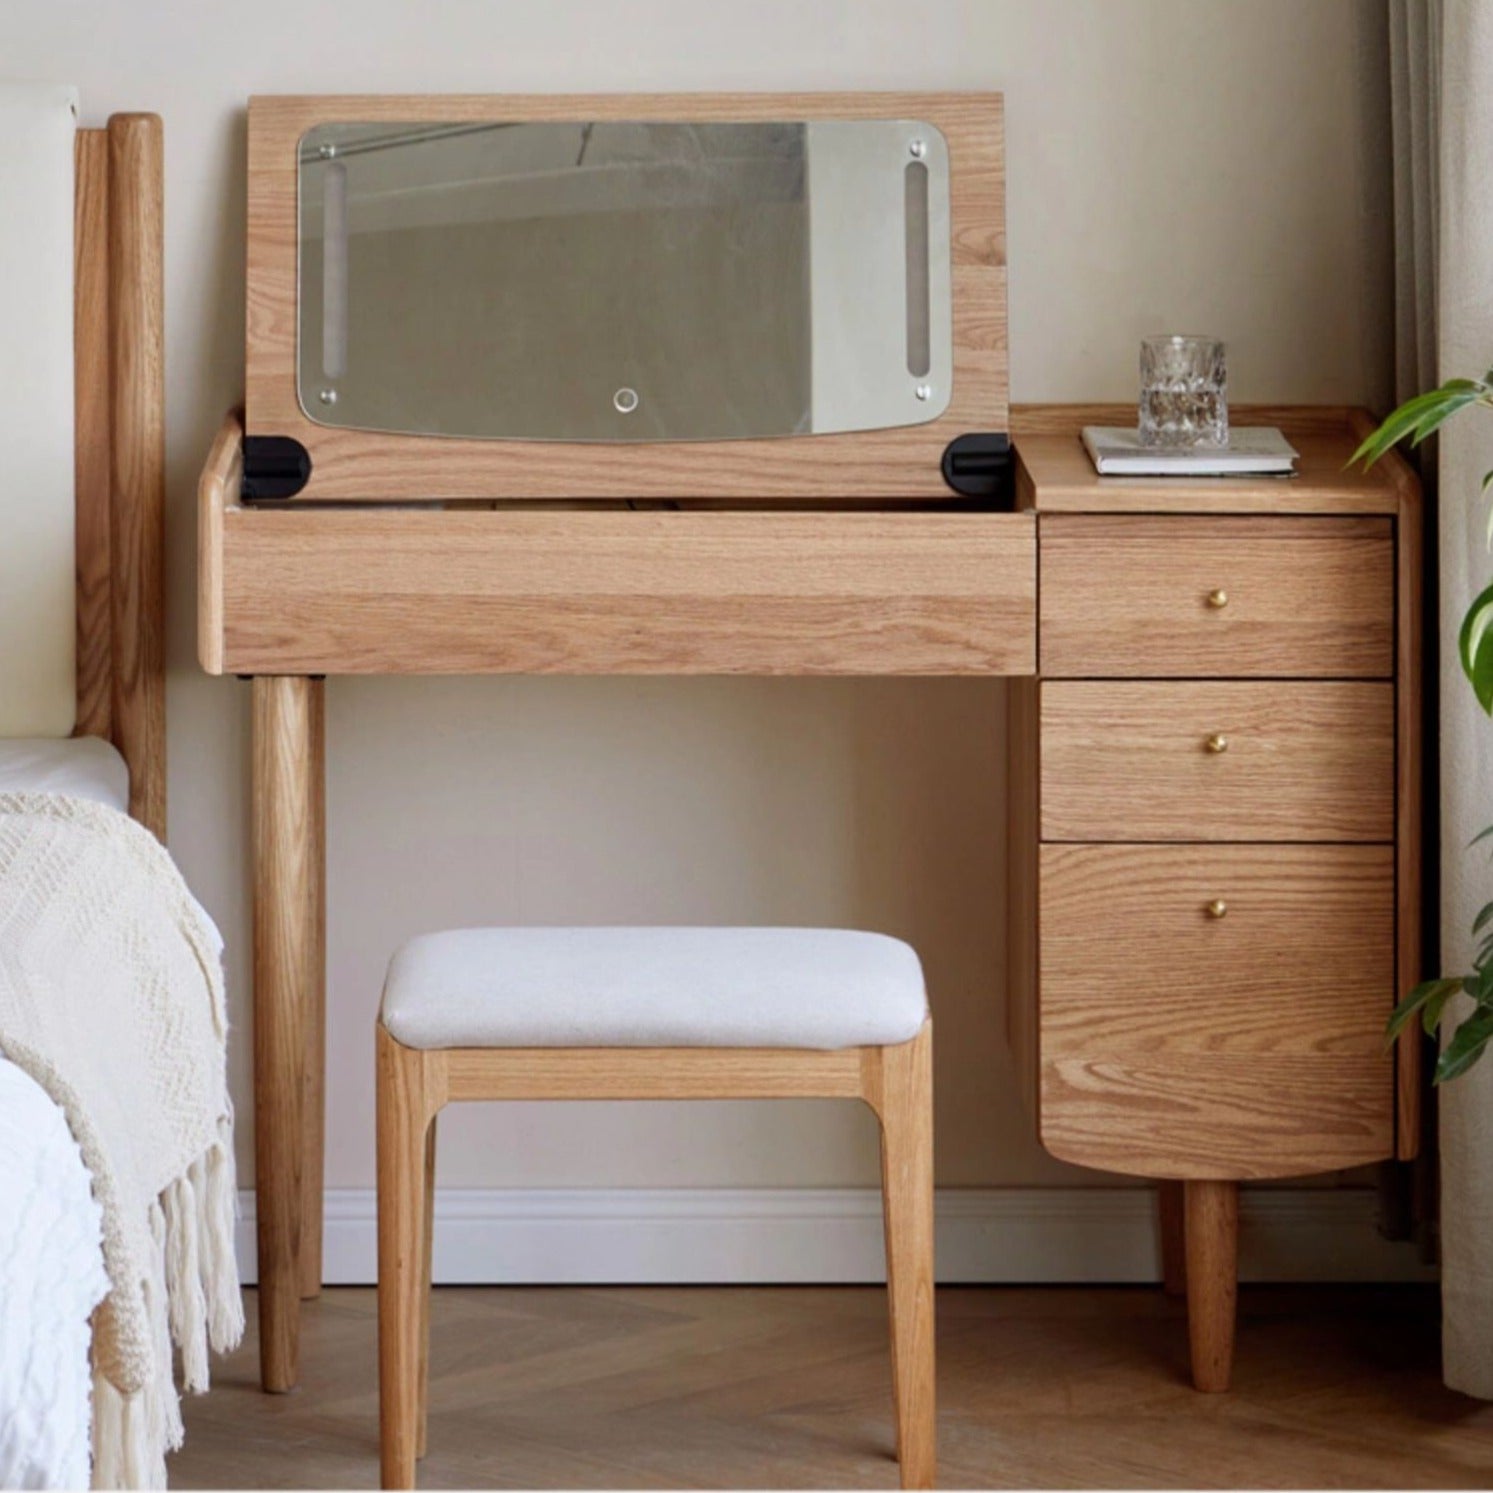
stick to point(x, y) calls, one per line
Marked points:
point(1252, 451)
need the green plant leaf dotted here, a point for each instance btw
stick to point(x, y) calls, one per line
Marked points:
point(1467, 1045)
point(1430, 1013)
point(1474, 645)
point(1480, 836)
point(1416, 1001)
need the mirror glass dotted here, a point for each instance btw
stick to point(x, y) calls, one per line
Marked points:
point(624, 281)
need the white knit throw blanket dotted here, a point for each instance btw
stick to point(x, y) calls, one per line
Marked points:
point(111, 998)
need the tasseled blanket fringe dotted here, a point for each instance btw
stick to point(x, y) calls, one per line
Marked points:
point(193, 1301)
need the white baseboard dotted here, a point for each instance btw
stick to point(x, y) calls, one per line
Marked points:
point(833, 1235)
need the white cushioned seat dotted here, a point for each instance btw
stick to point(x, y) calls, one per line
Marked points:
point(83, 766)
point(654, 987)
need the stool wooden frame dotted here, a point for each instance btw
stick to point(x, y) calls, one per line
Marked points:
point(414, 1085)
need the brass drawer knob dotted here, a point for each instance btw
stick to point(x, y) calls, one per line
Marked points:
point(1218, 599)
point(1217, 908)
point(1217, 743)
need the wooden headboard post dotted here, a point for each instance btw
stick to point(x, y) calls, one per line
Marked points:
point(120, 468)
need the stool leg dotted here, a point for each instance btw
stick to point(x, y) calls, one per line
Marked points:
point(425, 1278)
point(905, 1109)
point(402, 1125)
point(1212, 1210)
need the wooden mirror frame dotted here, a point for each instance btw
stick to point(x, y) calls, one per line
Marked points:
point(901, 462)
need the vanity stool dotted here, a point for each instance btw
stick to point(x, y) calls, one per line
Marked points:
point(651, 1013)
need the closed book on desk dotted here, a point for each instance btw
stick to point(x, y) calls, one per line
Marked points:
point(1251, 452)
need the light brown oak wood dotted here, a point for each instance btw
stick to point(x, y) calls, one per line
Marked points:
point(1179, 597)
point(1057, 476)
point(588, 591)
point(414, 1085)
point(119, 450)
point(285, 818)
point(1205, 760)
point(1023, 904)
point(137, 438)
point(786, 1387)
point(1217, 1010)
point(349, 464)
point(1211, 1211)
point(92, 456)
point(314, 1058)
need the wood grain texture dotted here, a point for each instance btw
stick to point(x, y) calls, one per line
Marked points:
point(1178, 597)
point(1058, 476)
point(904, 461)
point(1138, 760)
point(413, 1085)
point(314, 1059)
point(786, 1387)
point(1212, 1237)
point(217, 487)
point(92, 400)
point(903, 1102)
point(1023, 905)
point(285, 947)
point(1175, 1043)
point(403, 1119)
point(343, 591)
point(1410, 782)
point(136, 313)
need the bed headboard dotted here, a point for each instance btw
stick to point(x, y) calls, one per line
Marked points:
point(120, 457)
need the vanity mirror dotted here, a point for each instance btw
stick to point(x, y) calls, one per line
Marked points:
point(645, 297)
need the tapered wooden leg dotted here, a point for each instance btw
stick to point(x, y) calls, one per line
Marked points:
point(426, 1263)
point(314, 1064)
point(284, 831)
point(1212, 1226)
point(1173, 1238)
point(402, 1124)
point(905, 1107)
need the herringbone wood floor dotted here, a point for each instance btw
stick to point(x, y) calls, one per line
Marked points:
point(789, 1387)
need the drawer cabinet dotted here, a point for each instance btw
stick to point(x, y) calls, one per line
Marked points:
point(1210, 760)
point(1175, 597)
point(1224, 1004)
point(1214, 891)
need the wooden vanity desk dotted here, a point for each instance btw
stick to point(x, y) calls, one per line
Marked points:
point(1214, 819)
point(1214, 724)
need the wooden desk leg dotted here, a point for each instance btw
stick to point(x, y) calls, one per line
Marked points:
point(1173, 1238)
point(284, 825)
point(314, 1117)
point(1212, 1214)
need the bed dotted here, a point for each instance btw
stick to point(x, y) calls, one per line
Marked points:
point(82, 723)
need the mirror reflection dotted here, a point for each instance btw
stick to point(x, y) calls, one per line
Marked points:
point(624, 281)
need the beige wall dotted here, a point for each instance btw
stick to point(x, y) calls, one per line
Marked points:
point(1173, 164)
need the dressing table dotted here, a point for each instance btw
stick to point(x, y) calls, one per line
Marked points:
point(1214, 706)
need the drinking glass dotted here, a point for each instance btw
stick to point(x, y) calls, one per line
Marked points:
point(1183, 392)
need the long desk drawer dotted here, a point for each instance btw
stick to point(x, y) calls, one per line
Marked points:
point(1203, 760)
point(1216, 1009)
point(609, 591)
point(1175, 597)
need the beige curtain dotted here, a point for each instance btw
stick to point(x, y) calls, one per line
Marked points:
point(1442, 53)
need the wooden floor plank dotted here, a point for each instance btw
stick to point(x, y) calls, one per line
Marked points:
point(707, 1387)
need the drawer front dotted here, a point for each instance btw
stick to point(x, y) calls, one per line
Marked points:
point(1155, 597)
point(1216, 1010)
point(1136, 760)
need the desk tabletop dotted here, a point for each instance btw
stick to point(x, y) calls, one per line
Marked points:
point(1055, 474)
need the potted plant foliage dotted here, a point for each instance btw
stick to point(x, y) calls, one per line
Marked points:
point(1415, 420)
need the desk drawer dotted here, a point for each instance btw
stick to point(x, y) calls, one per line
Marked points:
point(1216, 1009)
point(1136, 760)
point(1157, 597)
